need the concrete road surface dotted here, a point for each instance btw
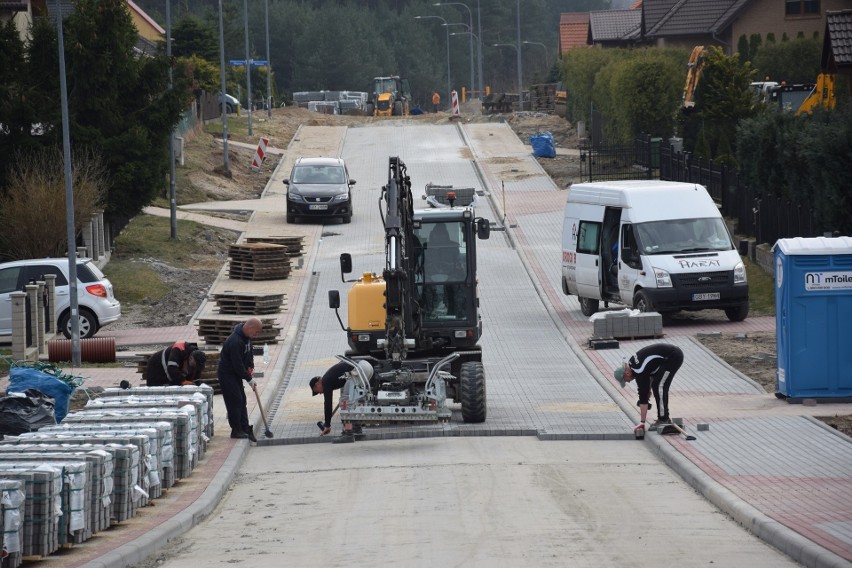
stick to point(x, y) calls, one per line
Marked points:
point(464, 501)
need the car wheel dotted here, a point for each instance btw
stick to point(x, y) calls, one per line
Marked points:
point(230, 108)
point(291, 218)
point(88, 324)
point(589, 306)
point(642, 302)
point(347, 219)
point(565, 287)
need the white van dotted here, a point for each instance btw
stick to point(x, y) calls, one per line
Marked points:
point(651, 245)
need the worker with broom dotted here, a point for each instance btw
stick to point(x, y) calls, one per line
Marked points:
point(236, 364)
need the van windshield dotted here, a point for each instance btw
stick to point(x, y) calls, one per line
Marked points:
point(683, 235)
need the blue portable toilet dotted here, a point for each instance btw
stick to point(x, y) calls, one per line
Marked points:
point(813, 317)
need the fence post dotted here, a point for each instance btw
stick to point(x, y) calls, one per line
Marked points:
point(50, 308)
point(19, 325)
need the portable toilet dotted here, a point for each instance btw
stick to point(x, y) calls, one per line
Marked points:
point(813, 317)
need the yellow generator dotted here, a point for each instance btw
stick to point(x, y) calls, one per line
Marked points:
point(390, 96)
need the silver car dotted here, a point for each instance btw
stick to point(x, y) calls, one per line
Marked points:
point(97, 304)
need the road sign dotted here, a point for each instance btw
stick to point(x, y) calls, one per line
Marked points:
point(258, 62)
point(237, 62)
point(242, 62)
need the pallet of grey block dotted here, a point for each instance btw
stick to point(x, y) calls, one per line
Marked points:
point(203, 389)
point(99, 501)
point(194, 407)
point(12, 502)
point(624, 325)
point(43, 499)
point(185, 438)
point(129, 471)
point(248, 304)
point(176, 400)
point(74, 522)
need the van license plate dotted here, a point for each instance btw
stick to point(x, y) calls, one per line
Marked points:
point(703, 297)
point(318, 207)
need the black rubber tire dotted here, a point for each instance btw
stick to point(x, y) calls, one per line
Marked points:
point(397, 108)
point(291, 218)
point(346, 219)
point(642, 302)
point(588, 306)
point(88, 324)
point(565, 287)
point(369, 109)
point(472, 390)
point(738, 313)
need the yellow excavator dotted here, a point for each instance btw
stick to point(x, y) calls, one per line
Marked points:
point(390, 96)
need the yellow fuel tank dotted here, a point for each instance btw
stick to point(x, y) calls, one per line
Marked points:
point(367, 304)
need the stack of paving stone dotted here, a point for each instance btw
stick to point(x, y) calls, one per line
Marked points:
point(248, 304)
point(39, 525)
point(12, 506)
point(183, 425)
point(216, 331)
point(183, 390)
point(295, 243)
point(258, 261)
point(130, 457)
point(622, 324)
point(209, 378)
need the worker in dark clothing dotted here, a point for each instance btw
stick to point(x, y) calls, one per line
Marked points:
point(180, 364)
point(333, 379)
point(236, 364)
point(653, 367)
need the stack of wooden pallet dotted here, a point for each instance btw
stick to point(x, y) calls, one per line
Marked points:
point(249, 304)
point(543, 97)
point(215, 331)
point(258, 261)
point(295, 243)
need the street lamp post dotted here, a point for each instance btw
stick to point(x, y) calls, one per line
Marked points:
point(223, 101)
point(172, 174)
point(470, 30)
point(470, 27)
point(449, 83)
point(268, 66)
point(520, 75)
point(546, 55)
point(248, 65)
point(520, 84)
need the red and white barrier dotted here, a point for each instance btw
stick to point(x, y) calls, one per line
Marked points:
point(455, 97)
point(260, 155)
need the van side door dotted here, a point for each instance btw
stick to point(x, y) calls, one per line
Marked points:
point(588, 269)
point(630, 264)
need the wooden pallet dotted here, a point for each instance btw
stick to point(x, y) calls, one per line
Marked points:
point(249, 304)
point(258, 261)
point(216, 331)
point(295, 244)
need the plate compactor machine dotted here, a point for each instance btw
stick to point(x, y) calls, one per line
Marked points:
point(418, 323)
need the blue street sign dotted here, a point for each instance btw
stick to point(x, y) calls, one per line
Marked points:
point(258, 62)
point(237, 62)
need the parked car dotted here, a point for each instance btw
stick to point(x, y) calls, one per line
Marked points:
point(232, 105)
point(319, 187)
point(95, 299)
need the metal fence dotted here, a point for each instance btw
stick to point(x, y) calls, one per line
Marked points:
point(605, 162)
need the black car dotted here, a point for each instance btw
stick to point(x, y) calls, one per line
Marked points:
point(319, 187)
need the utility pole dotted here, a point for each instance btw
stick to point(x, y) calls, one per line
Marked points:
point(172, 174)
point(70, 232)
point(520, 74)
point(248, 65)
point(268, 67)
point(222, 95)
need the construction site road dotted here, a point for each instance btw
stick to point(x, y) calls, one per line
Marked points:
point(552, 478)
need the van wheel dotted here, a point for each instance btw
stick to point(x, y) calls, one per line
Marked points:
point(589, 306)
point(739, 313)
point(642, 302)
point(565, 287)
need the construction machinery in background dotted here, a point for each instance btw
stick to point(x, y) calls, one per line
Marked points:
point(389, 96)
point(693, 75)
point(805, 98)
point(418, 323)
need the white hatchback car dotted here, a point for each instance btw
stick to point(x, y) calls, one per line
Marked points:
point(97, 304)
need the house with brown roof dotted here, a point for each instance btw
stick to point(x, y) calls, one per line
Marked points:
point(837, 45)
point(573, 31)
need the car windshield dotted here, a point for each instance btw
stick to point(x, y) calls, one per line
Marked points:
point(683, 235)
point(318, 174)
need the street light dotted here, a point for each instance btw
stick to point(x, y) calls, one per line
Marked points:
point(479, 53)
point(546, 55)
point(470, 30)
point(470, 27)
point(449, 87)
point(520, 87)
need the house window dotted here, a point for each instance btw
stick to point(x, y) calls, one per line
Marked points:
point(801, 7)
